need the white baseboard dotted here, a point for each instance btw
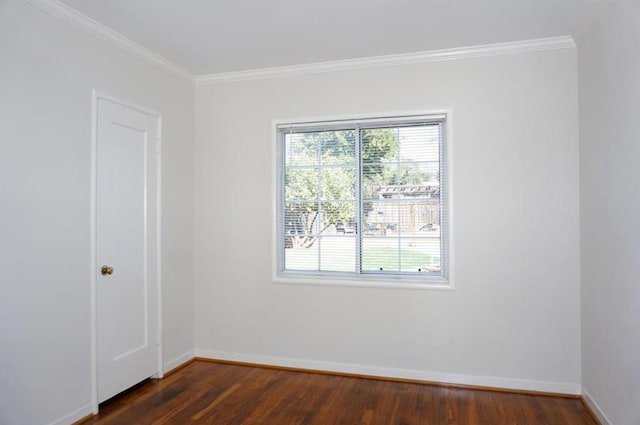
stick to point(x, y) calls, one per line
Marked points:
point(88, 409)
point(181, 359)
point(76, 415)
point(594, 407)
point(385, 372)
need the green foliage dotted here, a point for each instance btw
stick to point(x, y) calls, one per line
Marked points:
point(321, 168)
point(408, 174)
point(378, 146)
point(301, 184)
point(329, 175)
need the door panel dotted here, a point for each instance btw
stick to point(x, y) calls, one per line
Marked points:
point(127, 220)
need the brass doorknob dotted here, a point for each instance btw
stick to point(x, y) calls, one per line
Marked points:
point(106, 270)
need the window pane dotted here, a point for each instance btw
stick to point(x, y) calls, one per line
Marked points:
point(338, 218)
point(338, 183)
point(416, 215)
point(299, 255)
point(301, 218)
point(412, 179)
point(399, 254)
point(338, 253)
point(420, 254)
point(301, 184)
point(380, 254)
point(300, 150)
point(419, 144)
point(337, 147)
point(379, 145)
point(377, 179)
point(382, 215)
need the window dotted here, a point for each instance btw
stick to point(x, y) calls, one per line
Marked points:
point(363, 198)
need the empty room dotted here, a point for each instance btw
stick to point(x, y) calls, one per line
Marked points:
point(320, 212)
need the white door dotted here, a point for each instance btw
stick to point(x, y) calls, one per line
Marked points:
point(127, 160)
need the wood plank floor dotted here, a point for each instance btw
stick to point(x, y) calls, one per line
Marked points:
point(223, 394)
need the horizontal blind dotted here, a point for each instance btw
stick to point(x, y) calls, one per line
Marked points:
point(363, 197)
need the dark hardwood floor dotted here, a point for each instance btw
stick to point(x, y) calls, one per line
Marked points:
point(223, 394)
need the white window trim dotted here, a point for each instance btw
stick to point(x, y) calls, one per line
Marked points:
point(336, 279)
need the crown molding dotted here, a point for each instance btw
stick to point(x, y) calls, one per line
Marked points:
point(536, 45)
point(88, 25)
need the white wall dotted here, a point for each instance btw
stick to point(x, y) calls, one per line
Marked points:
point(514, 318)
point(609, 70)
point(47, 71)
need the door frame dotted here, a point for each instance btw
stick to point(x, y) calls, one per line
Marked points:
point(96, 96)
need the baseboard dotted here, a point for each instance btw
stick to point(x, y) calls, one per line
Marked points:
point(84, 414)
point(179, 361)
point(594, 408)
point(486, 382)
point(74, 416)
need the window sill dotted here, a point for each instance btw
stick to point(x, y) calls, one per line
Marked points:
point(365, 282)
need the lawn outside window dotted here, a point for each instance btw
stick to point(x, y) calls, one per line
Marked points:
point(363, 199)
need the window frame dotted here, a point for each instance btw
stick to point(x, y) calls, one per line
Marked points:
point(405, 280)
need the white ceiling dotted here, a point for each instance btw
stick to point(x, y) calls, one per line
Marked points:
point(212, 36)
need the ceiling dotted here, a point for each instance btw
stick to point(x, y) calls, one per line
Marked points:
point(213, 36)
